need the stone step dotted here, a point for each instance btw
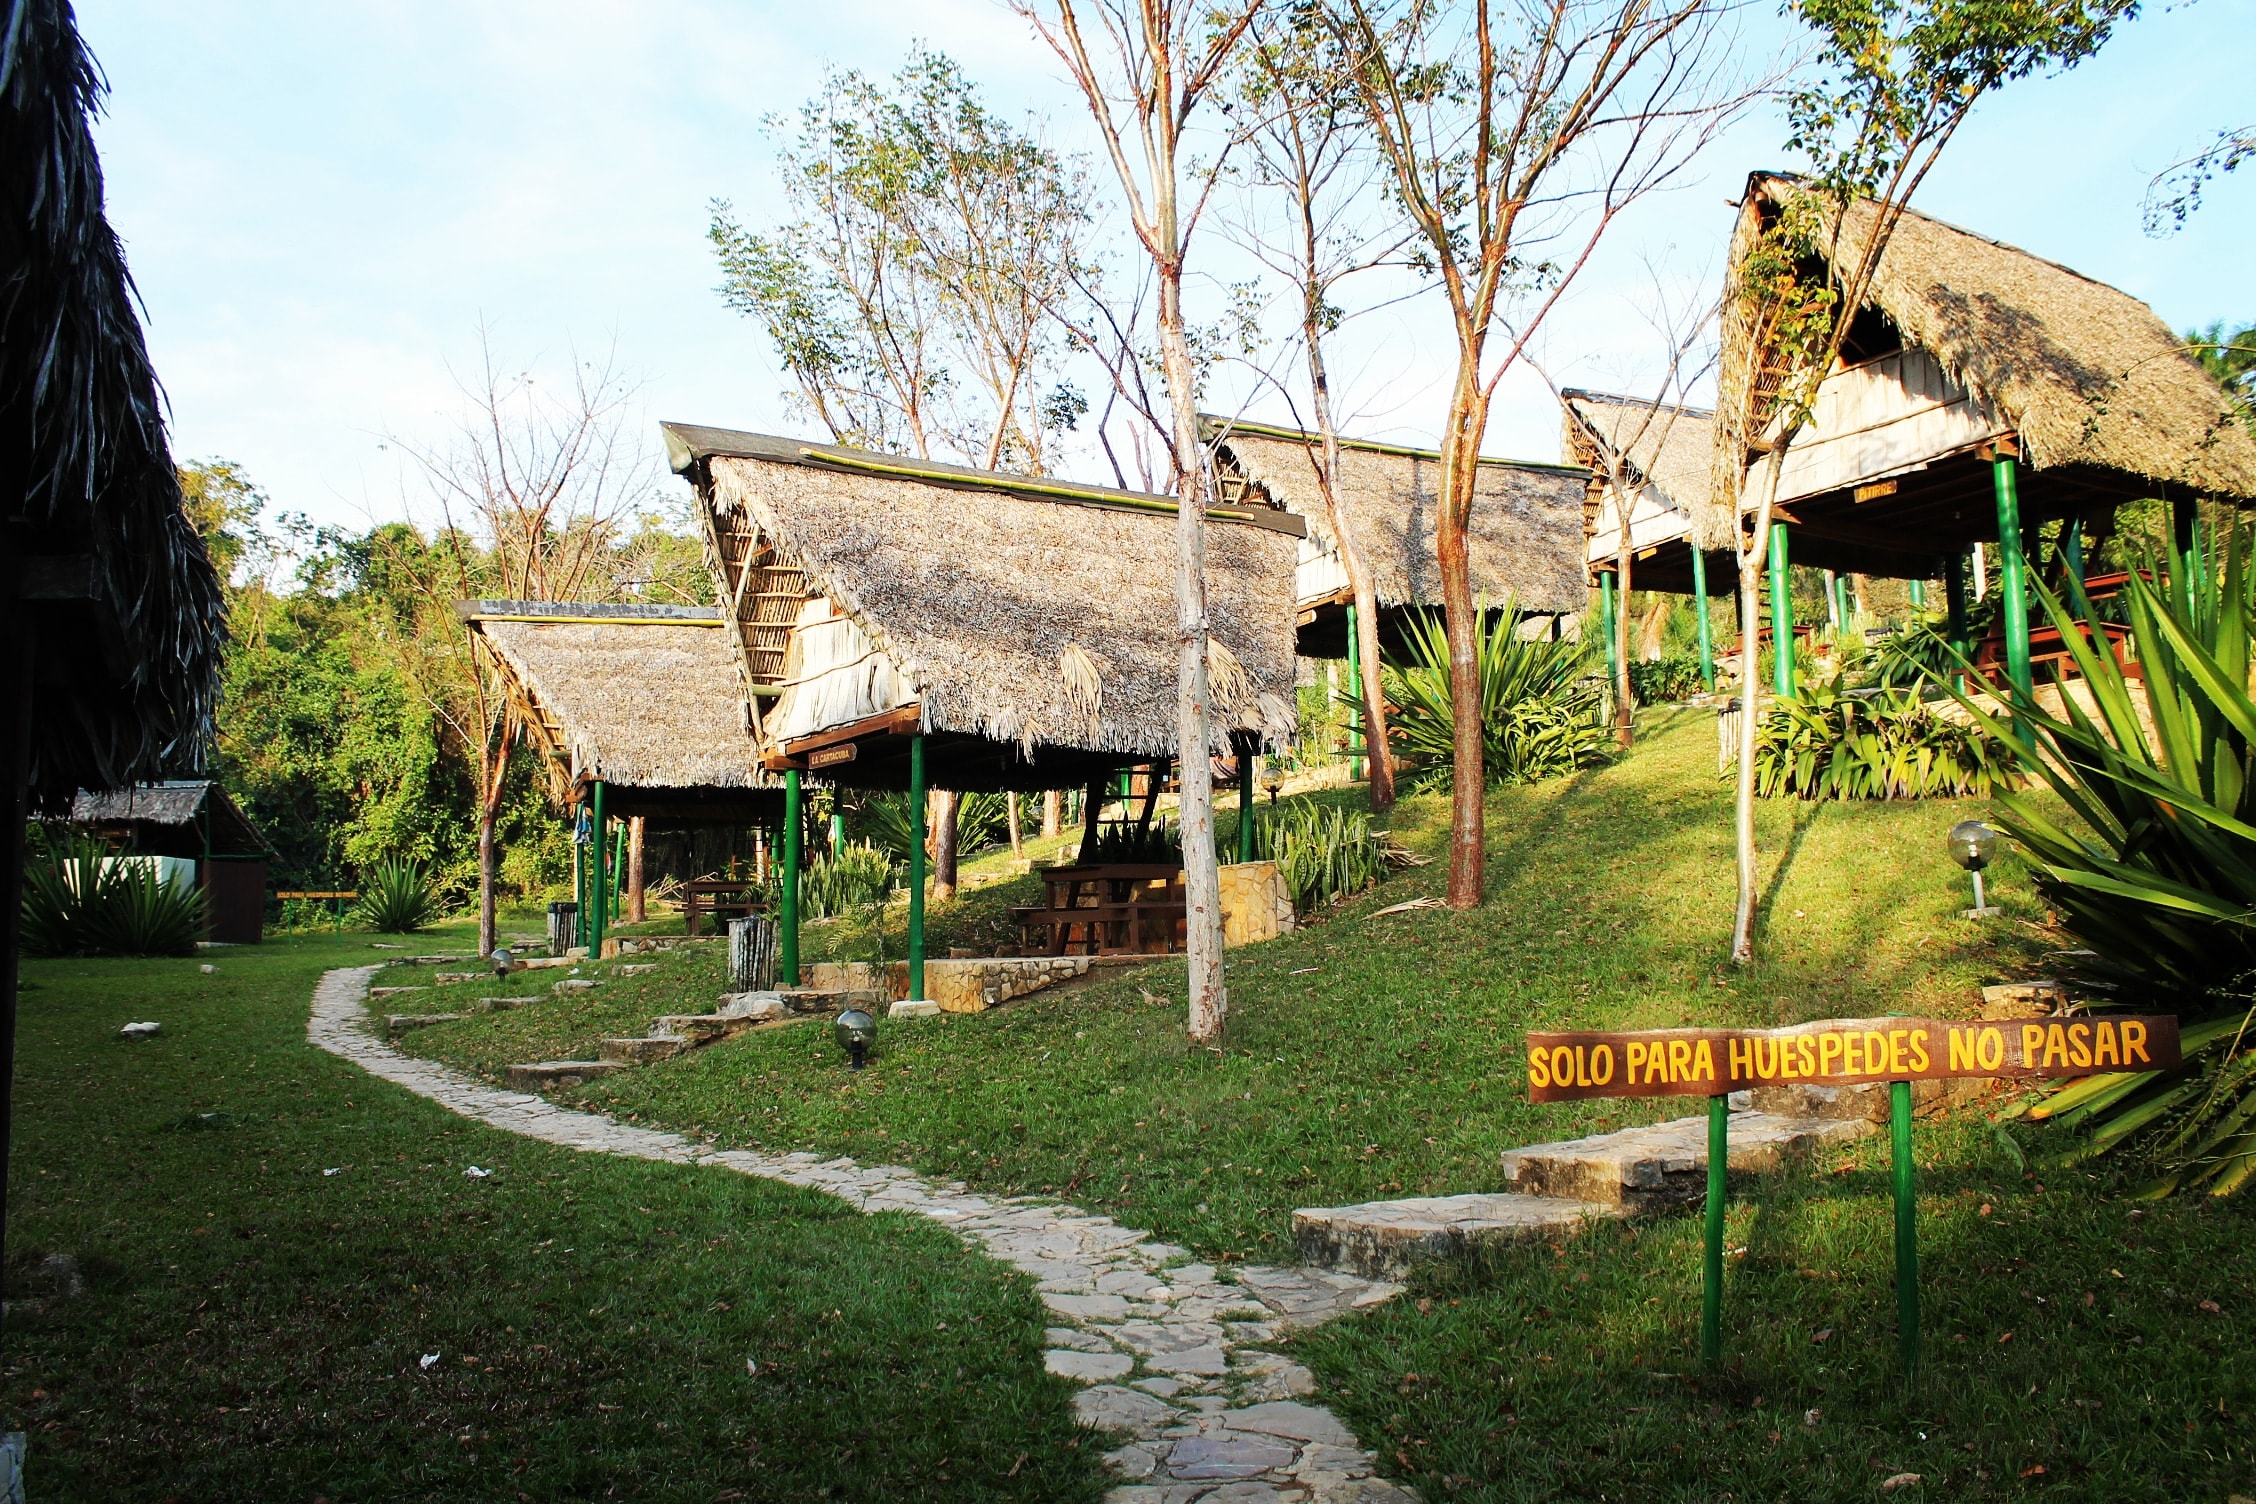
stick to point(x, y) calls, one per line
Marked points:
point(1666, 1164)
point(648, 1050)
point(502, 1004)
point(831, 999)
point(398, 1023)
point(702, 1029)
point(542, 1073)
point(1381, 1239)
point(575, 984)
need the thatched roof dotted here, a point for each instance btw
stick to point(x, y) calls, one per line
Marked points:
point(2086, 374)
point(126, 605)
point(638, 696)
point(1669, 447)
point(175, 804)
point(1021, 610)
point(1525, 538)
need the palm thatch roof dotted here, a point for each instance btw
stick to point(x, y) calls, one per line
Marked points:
point(2097, 388)
point(1032, 615)
point(1665, 453)
point(639, 697)
point(123, 602)
point(173, 807)
point(1525, 539)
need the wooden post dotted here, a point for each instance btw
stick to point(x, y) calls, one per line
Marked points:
point(787, 937)
point(1010, 813)
point(916, 868)
point(596, 883)
point(16, 663)
point(1091, 804)
point(579, 872)
point(1700, 600)
point(1053, 814)
point(635, 909)
point(1781, 617)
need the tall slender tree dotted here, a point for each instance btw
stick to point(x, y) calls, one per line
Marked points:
point(1144, 67)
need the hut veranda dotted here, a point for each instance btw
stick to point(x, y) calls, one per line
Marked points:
point(1981, 392)
point(638, 715)
point(902, 624)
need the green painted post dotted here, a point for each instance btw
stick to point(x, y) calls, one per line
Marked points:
point(1918, 595)
point(2182, 519)
point(596, 877)
point(2072, 547)
point(1781, 616)
point(1907, 1229)
point(787, 936)
point(916, 868)
point(1355, 689)
point(579, 881)
point(1700, 599)
point(837, 833)
point(1719, 1169)
point(1954, 592)
point(1613, 638)
point(2013, 590)
point(1246, 754)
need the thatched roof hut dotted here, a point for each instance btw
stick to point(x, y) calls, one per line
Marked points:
point(100, 572)
point(1665, 453)
point(644, 698)
point(183, 817)
point(1026, 626)
point(1525, 540)
point(1965, 345)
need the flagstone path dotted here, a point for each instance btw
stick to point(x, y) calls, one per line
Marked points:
point(1170, 1351)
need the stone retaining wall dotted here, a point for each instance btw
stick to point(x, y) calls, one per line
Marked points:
point(965, 986)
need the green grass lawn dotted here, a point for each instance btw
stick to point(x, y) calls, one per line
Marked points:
point(262, 1286)
point(1377, 1056)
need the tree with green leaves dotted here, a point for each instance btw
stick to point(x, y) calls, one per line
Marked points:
point(1891, 85)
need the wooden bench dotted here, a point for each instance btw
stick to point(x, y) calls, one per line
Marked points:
point(720, 897)
point(2049, 650)
point(1109, 910)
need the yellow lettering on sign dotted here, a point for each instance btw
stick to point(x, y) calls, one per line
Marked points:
point(1989, 1048)
point(1852, 1054)
point(1767, 1053)
point(1742, 1058)
point(1539, 1066)
point(2056, 1046)
point(1602, 1065)
point(1829, 1049)
point(2032, 1044)
point(2134, 1043)
point(2104, 1049)
point(1919, 1057)
point(1962, 1049)
point(1680, 1059)
point(1875, 1054)
point(1899, 1052)
point(1806, 1052)
point(1633, 1056)
point(1703, 1062)
point(2079, 1044)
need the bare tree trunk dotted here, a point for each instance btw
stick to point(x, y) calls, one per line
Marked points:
point(494, 767)
point(1468, 814)
point(1053, 814)
point(941, 806)
point(1010, 805)
point(634, 869)
point(1202, 882)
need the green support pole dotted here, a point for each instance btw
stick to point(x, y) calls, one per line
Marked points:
point(1613, 638)
point(1907, 1229)
point(596, 883)
point(1954, 593)
point(617, 898)
point(1781, 616)
point(2013, 589)
point(837, 833)
point(1719, 1168)
point(787, 936)
point(579, 885)
point(1355, 689)
point(916, 868)
point(2072, 547)
point(1700, 598)
point(1246, 756)
point(1918, 595)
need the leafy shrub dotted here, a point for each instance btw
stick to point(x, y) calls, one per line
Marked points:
point(982, 820)
point(1157, 844)
point(2155, 870)
point(397, 898)
point(1539, 718)
point(1661, 681)
point(849, 879)
point(1837, 743)
point(1322, 851)
point(78, 903)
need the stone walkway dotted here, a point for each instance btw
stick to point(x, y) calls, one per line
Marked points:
point(1171, 1352)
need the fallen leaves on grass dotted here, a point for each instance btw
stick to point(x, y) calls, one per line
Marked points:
point(1900, 1480)
point(1406, 906)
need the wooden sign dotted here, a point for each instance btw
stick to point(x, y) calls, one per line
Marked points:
point(1566, 1067)
point(831, 757)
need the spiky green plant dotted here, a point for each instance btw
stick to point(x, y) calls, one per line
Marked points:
point(1832, 742)
point(1539, 715)
point(79, 902)
point(2155, 866)
point(397, 898)
point(1322, 851)
point(846, 880)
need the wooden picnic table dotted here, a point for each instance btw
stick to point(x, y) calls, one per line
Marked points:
point(1110, 909)
point(721, 897)
point(2047, 649)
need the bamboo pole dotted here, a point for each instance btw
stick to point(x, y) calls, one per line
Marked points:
point(787, 936)
point(1781, 617)
point(1707, 638)
point(596, 883)
point(916, 868)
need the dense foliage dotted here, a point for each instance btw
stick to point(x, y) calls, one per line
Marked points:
point(1667, 679)
point(843, 881)
point(1539, 712)
point(2154, 868)
point(1833, 742)
point(79, 902)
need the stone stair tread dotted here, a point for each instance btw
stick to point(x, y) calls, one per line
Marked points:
point(538, 1073)
point(647, 1049)
point(1382, 1239)
point(1667, 1160)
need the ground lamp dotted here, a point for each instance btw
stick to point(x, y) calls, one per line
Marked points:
point(502, 961)
point(1972, 844)
point(856, 1032)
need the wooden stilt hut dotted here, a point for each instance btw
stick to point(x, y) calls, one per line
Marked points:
point(638, 712)
point(902, 624)
point(1649, 464)
point(1525, 539)
point(111, 617)
point(1982, 391)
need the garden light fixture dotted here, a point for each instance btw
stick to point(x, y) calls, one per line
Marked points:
point(856, 1032)
point(1972, 844)
point(503, 961)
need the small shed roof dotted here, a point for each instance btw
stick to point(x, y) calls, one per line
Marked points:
point(639, 696)
point(175, 804)
point(1019, 611)
point(2096, 386)
point(1525, 539)
point(1666, 452)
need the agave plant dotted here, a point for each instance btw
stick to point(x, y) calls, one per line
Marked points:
point(1324, 852)
point(2156, 869)
point(850, 878)
point(82, 902)
point(397, 898)
point(1539, 716)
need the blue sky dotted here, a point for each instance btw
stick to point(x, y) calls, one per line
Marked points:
point(324, 204)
